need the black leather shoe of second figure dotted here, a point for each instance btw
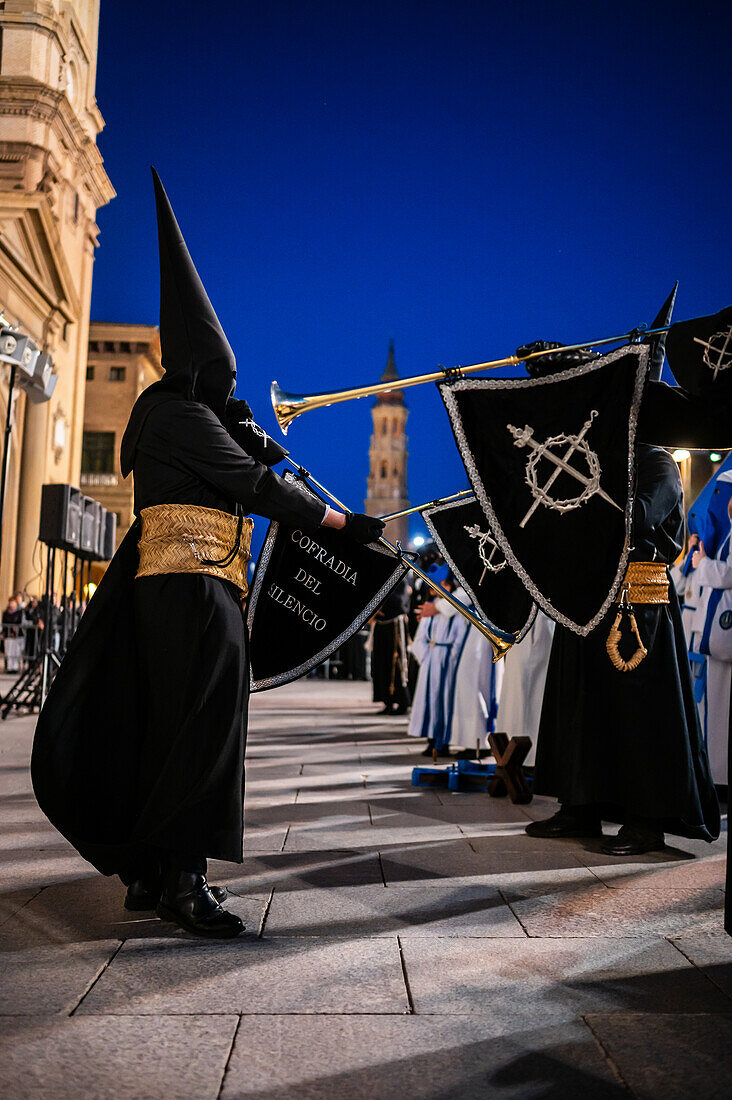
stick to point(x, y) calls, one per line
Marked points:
point(143, 895)
point(187, 901)
point(565, 824)
point(632, 841)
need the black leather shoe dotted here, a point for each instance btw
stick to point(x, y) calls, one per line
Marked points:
point(634, 841)
point(143, 895)
point(187, 901)
point(565, 823)
point(428, 750)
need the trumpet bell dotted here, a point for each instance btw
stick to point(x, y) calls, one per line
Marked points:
point(499, 645)
point(286, 406)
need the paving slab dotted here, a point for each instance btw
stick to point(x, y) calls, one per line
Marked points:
point(420, 862)
point(105, 1059)
point(385, 911)
point(251, 975)
point(41, 981)
point(422, 1058)
point(306, 838)
point(604, 912)
point(12, 902)
point(298, 871)
point(92, 909)
point(341, 814)
point(36, 868)
point(265, 838)
point(712, 953)
point(522, 981)
point(669, 1057)
point(693, 873)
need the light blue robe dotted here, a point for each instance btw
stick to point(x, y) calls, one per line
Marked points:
point(438, 646)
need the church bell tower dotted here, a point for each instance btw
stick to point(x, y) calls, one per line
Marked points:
point(387, 481)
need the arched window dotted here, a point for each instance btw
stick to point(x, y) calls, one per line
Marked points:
point(384, 427)
point(383, 469)
point(395, 428)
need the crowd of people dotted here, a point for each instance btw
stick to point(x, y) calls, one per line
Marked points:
point(24, 620)
point(428, 660)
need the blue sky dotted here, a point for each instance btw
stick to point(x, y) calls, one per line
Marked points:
point(462, 177)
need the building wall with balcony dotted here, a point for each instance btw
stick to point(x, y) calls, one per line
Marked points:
point(52, 182)
point(123, 360)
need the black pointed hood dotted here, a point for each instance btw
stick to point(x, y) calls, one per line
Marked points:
point(657, 344)
point(192, 340)
point(197, 358)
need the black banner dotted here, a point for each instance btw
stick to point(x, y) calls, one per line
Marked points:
point(310, 594)
point(552, 464)
point(460, 530)
point(700, 355)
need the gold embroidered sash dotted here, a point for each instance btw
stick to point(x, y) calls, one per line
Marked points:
point(183, 538)
point(644, 582)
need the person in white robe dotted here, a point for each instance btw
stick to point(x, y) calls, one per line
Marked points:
point(714, 701)
point(524, 676)
point(476, 693)
point(437, 645)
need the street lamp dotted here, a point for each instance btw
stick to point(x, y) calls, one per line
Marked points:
point(32, 370)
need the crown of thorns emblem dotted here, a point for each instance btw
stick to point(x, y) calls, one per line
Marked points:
point(485, 540)
point(571, 445)
point(717, 351)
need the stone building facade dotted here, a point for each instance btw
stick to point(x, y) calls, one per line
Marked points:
point(123, 361)
point(52, 182)
point(387, 480)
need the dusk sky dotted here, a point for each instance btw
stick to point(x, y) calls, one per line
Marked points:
point(461, 177)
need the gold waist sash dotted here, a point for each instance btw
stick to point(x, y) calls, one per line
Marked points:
point(182, 538)
point(644, 582)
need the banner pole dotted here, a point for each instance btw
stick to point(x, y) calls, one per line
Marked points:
point(500, 640)
point(429, 504)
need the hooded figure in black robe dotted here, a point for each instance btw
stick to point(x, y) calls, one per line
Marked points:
point(627, 746)
point(139, 751)
point(389, 660)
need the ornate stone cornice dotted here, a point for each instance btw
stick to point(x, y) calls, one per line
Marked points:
point(25, 97)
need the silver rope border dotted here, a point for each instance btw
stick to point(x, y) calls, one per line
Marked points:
point(427, 514)
point(447, 391)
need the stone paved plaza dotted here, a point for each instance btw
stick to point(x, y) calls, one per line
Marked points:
point(401, 942)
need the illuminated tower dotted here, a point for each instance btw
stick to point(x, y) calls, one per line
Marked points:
point(387, 481)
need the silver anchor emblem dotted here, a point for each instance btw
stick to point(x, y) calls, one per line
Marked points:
point(524, 437)
point(717, 351)
point(485, 539)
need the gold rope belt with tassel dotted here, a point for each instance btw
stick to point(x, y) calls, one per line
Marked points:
point(183, 538)
point(645, 582)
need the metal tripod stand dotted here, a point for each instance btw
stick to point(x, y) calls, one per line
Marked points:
point(31, 688)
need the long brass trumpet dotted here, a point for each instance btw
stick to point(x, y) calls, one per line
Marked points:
point(288, 406)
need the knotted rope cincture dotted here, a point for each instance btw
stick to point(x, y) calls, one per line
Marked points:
point(615, 636)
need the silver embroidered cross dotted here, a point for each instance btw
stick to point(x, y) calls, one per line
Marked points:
point(577, 444)
point(255, 428)
point(485, 539)
point(717, 351)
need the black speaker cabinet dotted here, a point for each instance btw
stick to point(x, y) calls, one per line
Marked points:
point(90, 519)
point(110, 536)
point(61, 519)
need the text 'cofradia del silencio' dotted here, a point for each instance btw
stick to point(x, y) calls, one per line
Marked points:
point(291, 603)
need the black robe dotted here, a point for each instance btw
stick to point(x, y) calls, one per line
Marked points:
point(389, 656)
point(140, 745)
point(630, 742)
